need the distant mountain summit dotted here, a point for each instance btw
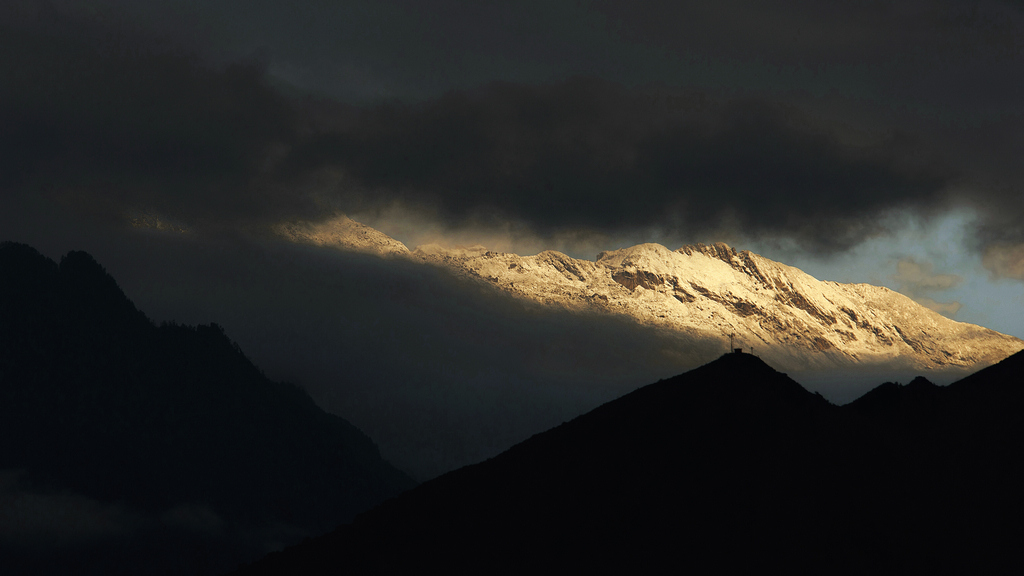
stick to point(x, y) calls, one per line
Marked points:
point(709, 293)
point(124, 444)
point(733, 466)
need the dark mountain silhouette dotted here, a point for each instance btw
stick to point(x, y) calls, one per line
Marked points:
point(732, 466)
point(175, 452)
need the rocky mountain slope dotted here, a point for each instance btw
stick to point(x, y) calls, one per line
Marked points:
point(787, 317)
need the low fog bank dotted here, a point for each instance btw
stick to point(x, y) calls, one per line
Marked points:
point(44, 530)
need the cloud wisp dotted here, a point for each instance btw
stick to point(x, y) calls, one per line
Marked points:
point(1004, 260)
point(918, 281)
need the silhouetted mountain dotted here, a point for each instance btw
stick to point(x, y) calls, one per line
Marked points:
point(124, 444)
point(732, 466)
point(904, 405)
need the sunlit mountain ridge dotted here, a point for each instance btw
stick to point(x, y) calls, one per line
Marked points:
point(714, 294)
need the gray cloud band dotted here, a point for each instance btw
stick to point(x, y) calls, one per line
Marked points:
point(121, 125)
point(587, 153)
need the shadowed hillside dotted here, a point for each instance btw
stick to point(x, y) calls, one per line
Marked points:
point(123, 444)
point(731, 466)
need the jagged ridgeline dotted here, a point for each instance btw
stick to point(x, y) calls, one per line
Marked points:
point(125, 444)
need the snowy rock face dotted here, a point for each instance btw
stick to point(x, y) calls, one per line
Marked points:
point(711, 292)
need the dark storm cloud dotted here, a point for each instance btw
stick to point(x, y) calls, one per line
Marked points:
point(850, 32)
point(794, 121)
point(588, 153)
point(116, 119)
point(997, 192)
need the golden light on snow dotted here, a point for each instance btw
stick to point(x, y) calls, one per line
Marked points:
point(704, 294)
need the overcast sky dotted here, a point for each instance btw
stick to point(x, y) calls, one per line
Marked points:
point(867, 141)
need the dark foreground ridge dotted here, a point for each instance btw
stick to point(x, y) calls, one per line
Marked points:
point(127, 448)
point(732, 466)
